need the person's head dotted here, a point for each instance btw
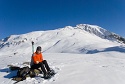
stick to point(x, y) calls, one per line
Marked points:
point(38, 49)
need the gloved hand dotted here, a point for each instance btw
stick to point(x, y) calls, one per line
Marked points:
point(37, 62)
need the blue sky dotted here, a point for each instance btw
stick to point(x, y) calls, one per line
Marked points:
point(23, 16)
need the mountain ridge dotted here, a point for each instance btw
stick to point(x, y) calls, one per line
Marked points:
point(79, 39)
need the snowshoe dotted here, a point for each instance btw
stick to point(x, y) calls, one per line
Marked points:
point(47, 76)
point(51, 72)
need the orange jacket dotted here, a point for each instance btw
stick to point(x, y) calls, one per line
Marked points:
point(37, 57)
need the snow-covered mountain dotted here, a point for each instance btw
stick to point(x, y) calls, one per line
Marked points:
point(101, 32)
point(65, 51)
point(80, 39)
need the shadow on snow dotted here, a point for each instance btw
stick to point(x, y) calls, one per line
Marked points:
point(115, 48)
point(10, 74)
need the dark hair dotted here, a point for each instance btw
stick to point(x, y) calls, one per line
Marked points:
point(38, 48)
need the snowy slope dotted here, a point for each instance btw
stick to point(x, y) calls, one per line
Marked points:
point(85, 54)
point(98, 68)
point(101, 32)
point(80, 39)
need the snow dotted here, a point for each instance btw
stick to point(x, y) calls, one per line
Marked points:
point(63, 40)
point(78, 56)
point(103, 67)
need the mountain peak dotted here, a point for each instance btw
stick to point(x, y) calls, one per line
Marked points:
point(86, 25)
point(98, 31)
point(81, 38)
point(94, 29)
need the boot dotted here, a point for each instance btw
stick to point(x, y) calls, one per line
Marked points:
point(47, 76)
point(51, 72)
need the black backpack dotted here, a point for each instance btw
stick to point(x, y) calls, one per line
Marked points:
point(23, 72)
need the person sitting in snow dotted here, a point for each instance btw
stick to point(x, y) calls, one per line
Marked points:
point(38, 62)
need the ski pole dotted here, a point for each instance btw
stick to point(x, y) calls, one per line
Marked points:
point(33, 47)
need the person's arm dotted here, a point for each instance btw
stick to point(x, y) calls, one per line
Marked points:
point(41, 57)
point(35, 59)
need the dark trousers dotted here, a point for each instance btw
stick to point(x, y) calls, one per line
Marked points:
point(43, 65)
